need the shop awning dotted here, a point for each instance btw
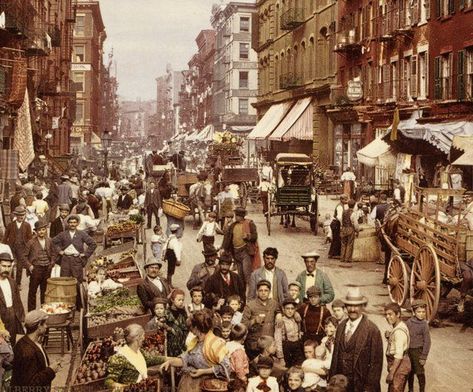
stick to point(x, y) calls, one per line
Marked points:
point(376, 153)
point(464, 143)
point(242, 128)
point(269, 121)
point(297, 124)
point(191, 137)
point(465, 160)
point(206, 134)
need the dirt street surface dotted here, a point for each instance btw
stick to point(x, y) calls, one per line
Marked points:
point(449, 366)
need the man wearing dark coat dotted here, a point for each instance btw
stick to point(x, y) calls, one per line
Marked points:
point(358, 349)
point(59, 224)
point(153, 285)
point(12, 312)
point(124, 201)
point(17, 235)
point(152, 204)
point(223, 283)
point(201, 272)
point(31, 367)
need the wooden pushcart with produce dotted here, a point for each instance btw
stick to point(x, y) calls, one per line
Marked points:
point(427, 246)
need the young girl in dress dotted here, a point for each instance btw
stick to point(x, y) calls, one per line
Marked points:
point(176, 319)
point(238, 358)
point(158, 239)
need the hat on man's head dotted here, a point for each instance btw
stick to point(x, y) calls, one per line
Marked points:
point(20, 210)
point(40, 223)
point(338, 303)
point(354, 297)
point(210, 251)
point(64, 177)
point(295, 283)
point(312, 254)
point(263, 282)
point(265, 362)
point(151, 262)
point(418, 303)
point(73, 216)
point(313, 291)
point(35, 317)
point(240, 211)
point(64, 207)
point(174, 227)
point(74, 179)
point(4, 256)
point(225, 259)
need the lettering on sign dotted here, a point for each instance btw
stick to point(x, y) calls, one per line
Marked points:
point(81, 67)
point(354, 90)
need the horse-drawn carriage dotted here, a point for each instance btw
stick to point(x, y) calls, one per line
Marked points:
point(244, 177)
point(294, 192)
point(426, 247)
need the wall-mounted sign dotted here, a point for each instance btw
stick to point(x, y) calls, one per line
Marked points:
point(81, 67)
point(354, 90)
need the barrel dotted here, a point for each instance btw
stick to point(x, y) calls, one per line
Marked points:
point(62, 289)
point(366, 246)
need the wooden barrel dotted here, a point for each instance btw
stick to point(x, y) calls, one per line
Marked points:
point(61, 290)
point(366, 247)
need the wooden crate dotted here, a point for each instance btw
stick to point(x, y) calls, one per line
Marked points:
point(104, 330)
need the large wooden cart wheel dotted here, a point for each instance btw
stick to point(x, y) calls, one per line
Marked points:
point(425, 279)
point(398, 280)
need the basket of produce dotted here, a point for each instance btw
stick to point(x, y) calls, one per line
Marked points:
point(147, 385)
point(120, 229)
point(175, 209)
point(214, 385)
point(58, 312)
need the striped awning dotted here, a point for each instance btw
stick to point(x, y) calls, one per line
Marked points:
point(269, 121)
point(297, 124)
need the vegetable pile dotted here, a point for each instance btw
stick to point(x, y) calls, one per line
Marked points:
point(119, 301)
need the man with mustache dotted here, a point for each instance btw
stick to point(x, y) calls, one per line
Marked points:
point(358, 349)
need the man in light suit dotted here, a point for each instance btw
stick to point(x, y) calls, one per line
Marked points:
point(152, 204)
point(314, 277)
point(74, 247)
point(276, 276)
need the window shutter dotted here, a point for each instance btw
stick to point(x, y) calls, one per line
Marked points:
point(437, 78)
point(462, 4)
point(438, 7)
point(451, 7)
point(427, 5)
point(461, 75)
point(414, 80)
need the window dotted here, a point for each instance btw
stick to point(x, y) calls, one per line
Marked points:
point(243, 106)
point(79, 25)
point(442, 76)
point(394, 80)
point(243, 79)
point(422, 75)
point(445, 7)
point(78, 81)
point(245, 23)
point(244, 50)
point(79, 54)
point(424, 10)
point(469, 74)
point(79, 113)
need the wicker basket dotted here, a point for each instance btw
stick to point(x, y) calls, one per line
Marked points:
point(175, 209)
point(214, 385)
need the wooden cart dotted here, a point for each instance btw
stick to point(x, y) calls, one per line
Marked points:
point(244, 177)
point(425, 253)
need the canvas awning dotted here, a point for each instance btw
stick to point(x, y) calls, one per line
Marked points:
point(191, 137)
point(376, 153)
point(464, 143)
point(297, 123)
point(269, 121)
point(206, 134)
point(465, 160)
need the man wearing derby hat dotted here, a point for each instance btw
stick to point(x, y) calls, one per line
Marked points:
point(315, 277)
point(74, 247)
point(223, 283)
point(59, 224)
point(12, 312)
point(240, 240)
point(31, 368)
point(39, 262)
point(17, 235)
point(201, 272)
point(64, 191)
point(153, 286)
point(358, 349)
point(125, 201)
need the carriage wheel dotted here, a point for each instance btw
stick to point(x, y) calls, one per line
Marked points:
point(398, 280)
point(243, 192)
point(425, 279)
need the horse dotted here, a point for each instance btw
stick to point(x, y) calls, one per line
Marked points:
point(200, 200)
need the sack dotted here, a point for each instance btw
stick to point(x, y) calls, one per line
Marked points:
point(56, 271)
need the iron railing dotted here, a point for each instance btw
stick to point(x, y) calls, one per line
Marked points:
point(290, 80)
point(292, 18)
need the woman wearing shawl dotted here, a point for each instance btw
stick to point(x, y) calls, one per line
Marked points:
point(206, 357)
point(130, 364)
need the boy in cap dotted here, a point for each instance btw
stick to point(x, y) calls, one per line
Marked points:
point(31, 366)
point(39, 262)
point(173, 252)
point(313, 315)
point(59, 224)
point(264, 382)
point(419, 345)
point(208, 230)
point(338, 310)
point(294, 289)
point(17, 234)
point(288, 335)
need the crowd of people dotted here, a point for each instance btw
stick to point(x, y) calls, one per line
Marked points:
point(244, 322)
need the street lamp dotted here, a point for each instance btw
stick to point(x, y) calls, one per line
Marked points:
point(106, 142)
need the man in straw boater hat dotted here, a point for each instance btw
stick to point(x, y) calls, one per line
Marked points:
point(39, 262)
point(358, 349)
point(17, 235)
point(201, 272)
point(153, 286)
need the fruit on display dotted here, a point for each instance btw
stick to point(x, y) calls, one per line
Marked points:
point(121, 228)
point(56, 308)
point(147, 385)
point(119, 301)
point(155, 343)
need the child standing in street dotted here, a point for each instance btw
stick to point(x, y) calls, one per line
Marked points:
point(158, 239)
point(294, 289)
point(288, 335)
point(263, 381)
point(339, 310)
point(237, 354)
point(196, 304)
point(208, 230)
point(419, 344)
point(314, 366)
point(294, 380)
point(234, 301)
point(330, 327)
point(173, 252)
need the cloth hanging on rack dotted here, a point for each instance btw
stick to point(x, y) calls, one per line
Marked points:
point(18, 82)
point(23, 137)
point(9, 164)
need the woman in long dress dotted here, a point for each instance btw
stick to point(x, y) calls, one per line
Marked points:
point(206, 357)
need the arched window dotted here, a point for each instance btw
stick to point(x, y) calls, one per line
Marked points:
point(276, 72)
point(311, 58)
point(282, 65)
point(295, 64)
point(303, 56)
point(278, 16)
